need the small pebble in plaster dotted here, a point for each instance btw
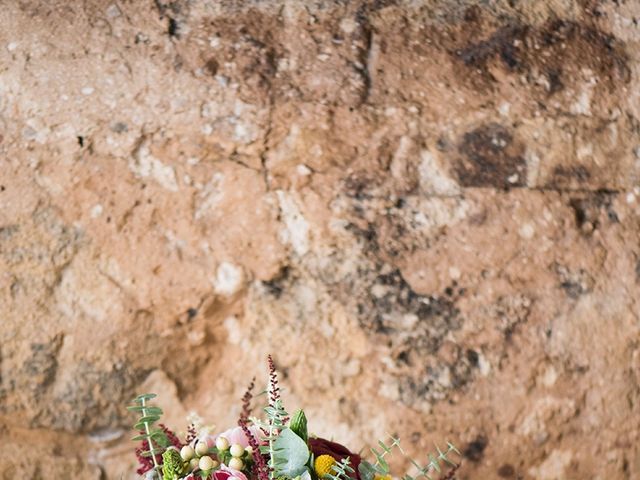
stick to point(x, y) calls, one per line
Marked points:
point(96, 211)
point(12, 46)
point(113, 11)
point(87, 90)
point(483, 365)
point(146, 165)
point(196, 337)
point(351, 368)
point(233, 329)
point(527, 231)
point(454, 273)
point(348, 25)
point(303, 170)
point(554, 467)
point(28, 133)
point(549, 376)
point(316, 150)
point(228, 279)
point(434, 178)
point(240, 132)
point(582, 105)
point(296, 231)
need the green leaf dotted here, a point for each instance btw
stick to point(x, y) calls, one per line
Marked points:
point(149, 453)
point(144, 421)
point(290, 454)
point(153, 411)
point(367, 471)
point(149, 418)
point(160, 438)
point(145, 396)
point(298, 424)
point(415, 464)
point(452, 448)
point(434, 462)
point(384, 446)
point(136, 408)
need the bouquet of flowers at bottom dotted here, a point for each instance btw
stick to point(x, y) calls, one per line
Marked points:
point(276, 447)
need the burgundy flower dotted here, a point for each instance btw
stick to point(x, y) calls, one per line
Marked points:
point(320, 446)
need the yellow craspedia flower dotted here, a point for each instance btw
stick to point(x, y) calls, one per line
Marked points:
point(323, 465)
point(382, 477)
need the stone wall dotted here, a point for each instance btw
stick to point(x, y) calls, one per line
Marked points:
point(426, 210)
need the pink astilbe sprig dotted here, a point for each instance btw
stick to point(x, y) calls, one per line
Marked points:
point(172, 437)
point(146, 462)
point(451, 475)
point(260, 466)
point(191, 434)
point(274, 388)
point(246, 401)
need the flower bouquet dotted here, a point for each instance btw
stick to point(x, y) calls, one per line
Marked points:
point(278, 447)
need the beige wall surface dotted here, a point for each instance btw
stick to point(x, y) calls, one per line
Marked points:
point(427, 210)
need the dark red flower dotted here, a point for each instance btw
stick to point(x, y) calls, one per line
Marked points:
point(320, 446)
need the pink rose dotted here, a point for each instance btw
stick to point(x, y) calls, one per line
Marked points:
point(225, 473)
point(234, 435)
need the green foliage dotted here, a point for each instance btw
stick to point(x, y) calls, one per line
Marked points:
point(155, 439)
point(277, 418)
point(276, 415)
point(172, 465)
point(368, 471)
point(290, 454)
point(298, 424)
point(435, 463)
point(341, 470)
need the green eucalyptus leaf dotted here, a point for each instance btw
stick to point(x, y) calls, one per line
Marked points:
point(149, 418)
point(153, 411)
point(290, 454)
point(145, 396)
point(136, 408)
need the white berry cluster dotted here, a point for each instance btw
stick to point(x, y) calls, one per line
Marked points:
point(199, 457)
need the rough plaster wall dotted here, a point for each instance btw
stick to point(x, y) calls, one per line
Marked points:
point(427, 210)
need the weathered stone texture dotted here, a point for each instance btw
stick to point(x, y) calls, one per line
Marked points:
point(427, 210)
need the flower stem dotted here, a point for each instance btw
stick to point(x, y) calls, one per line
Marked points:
point(152, 449)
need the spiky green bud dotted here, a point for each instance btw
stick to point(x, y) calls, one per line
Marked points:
point(172, 464)
point(298, 424)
